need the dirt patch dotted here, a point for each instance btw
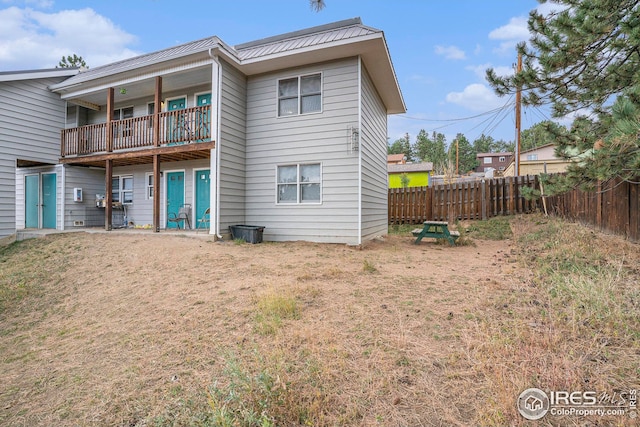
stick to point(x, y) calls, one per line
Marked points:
point(145, 329)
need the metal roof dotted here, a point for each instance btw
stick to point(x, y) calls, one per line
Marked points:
point(410, 167)
point(342, 39)
point(148, 59)
point(314, 36)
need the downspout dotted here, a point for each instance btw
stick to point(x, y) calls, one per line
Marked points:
point(360, 150)
point(215, 199)
point(64, 192)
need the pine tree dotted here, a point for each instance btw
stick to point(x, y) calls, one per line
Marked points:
point(71, 61)
point(581, 58)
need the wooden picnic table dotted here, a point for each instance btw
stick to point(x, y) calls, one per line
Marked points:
point(436, 229)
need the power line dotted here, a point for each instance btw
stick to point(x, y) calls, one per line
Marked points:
point(452, 120)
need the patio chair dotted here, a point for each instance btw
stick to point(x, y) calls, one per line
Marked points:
point(204, 221)
point(182, 216)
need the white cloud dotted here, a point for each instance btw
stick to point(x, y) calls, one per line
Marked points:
point(481, 70)
point(516, 29)
point(36, 39)
point(510, 35)
point(450, 52)
point(476, 97)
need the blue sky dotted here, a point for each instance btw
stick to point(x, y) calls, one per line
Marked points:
point(440, 48)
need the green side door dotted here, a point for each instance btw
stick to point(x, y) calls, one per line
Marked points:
point(31, 201)
point(49, 206)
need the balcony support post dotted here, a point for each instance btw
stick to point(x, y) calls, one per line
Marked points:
point(156, 193)
point(108, 175)
point(157, 109)
point(110, 100)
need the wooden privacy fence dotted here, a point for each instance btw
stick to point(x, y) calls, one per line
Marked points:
point(613, 207)
point(463, 200)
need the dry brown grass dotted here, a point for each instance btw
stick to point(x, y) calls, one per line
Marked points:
point(142, 330)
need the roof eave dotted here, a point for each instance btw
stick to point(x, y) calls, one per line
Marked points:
point(38, 74)
point(372, 48)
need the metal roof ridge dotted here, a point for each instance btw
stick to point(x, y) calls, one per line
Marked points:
point(215, 39)
point(303, 32)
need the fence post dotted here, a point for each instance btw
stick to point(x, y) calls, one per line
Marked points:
point(483, 197)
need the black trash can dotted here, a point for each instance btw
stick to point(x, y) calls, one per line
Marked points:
point(248, 233)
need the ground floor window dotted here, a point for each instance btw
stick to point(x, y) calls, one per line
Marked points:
point(122, 189)
point(149, 186)
point(299, 183)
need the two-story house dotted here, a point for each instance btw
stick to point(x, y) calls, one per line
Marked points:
point(495, 161)
point(287, 132)
point(538, 160)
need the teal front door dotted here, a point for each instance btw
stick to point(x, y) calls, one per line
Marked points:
point(203, 124)
point(203, 192)
point(31, 201)
point(176, 104)
point(176, 130)
point(175, 195)
point(204, 99)
point(49, 200)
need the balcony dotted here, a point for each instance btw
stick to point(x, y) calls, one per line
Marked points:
point(179, 132)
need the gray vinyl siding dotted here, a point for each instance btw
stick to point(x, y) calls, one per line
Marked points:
point(373, 141)
point(233, 112)
point(7, 196)
point(311, 138)
point(92, 183)
point(90, 180)
point(31, 118)
point(140, 212)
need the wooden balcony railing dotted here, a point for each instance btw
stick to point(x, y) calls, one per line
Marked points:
point(190, 125)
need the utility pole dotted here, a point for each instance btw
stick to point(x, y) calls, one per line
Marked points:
point(406, 136)
point(518, 119)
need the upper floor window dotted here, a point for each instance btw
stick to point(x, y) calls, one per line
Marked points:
point(488, 160)
point(300, 95)
point(501, 159)
point(123, 113)
point(532, 157)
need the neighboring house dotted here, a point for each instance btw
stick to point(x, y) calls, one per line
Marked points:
point(497, 161)
point(31, 117)
point(287, 132)
point(396, 159)
point(415, 174)
point(538, 160)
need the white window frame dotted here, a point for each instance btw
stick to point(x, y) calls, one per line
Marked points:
point(121, 131)
point(532, 157)
point(501, 159)
point(121, 112)
point(149, 190)
point(299, 95)
point(121, 191)
point(298, 184)
point(488, 160)
point(150, 112)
